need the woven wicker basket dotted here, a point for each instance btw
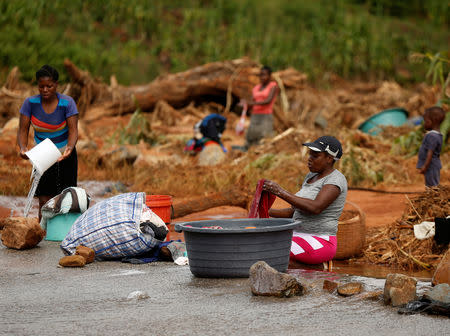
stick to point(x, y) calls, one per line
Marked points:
point(351, 235)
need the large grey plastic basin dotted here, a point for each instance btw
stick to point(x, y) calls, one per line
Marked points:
point(232, 250)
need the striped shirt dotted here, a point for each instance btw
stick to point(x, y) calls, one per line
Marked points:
point(50, 125)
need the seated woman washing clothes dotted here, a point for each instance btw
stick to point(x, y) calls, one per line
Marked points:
point(317, 206)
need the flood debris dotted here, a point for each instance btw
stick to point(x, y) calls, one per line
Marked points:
point(436, 301)
point(21, 233)
point(399, 289)
point(396, 245)
point(267, 281)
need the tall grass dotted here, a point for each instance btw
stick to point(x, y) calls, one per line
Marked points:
point(137, 40)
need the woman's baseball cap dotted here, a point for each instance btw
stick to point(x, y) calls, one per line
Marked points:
point(328, 144)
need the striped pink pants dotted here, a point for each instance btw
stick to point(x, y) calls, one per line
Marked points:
point(312, 249)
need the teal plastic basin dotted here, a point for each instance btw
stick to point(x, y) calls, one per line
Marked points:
point(390, 117)
point(58, 227)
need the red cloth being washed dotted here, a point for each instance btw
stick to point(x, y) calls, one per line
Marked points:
point(262, 201)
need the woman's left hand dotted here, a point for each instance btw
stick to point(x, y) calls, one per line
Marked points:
point(66, 154)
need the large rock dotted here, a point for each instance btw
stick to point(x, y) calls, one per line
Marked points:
point(442, 273)
point(350, 288)
point(440, 293)
point(399, 289)
point(211, 155)
point(21, 233)
point(267, 281)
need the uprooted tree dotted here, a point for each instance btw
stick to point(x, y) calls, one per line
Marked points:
point(230, 79)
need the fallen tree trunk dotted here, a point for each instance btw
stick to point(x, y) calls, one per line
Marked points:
point(232, 198)
point(176, 89)
point(225, 79)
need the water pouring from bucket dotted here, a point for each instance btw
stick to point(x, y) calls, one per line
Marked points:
point(42, 156)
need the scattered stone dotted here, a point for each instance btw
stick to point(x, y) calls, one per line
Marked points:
point(399, 289)
point(72, 261)
point(442, 273)
point(137, 295)
point(267, 281)
point(372, 295)
point(211, 155)
point(350, 288)
point(145, 160)
point(118, 157)
point(87, 253)
point(439, 293)
point(86, 144)
point(329, 286)
point(21, 233)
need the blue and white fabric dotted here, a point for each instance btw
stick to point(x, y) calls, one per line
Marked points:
point(111, 229)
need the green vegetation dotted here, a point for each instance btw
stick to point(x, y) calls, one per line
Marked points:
point(137, 40)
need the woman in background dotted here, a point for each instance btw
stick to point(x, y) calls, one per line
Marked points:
point(261, 120)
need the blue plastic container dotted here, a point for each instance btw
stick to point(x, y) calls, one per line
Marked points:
point(59, 226)
point(390, 117)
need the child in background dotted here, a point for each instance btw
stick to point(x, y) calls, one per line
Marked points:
point(429, 162)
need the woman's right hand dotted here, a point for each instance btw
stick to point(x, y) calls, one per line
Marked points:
point(23, 155)
point(272, 187)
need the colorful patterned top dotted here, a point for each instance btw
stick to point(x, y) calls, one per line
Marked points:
point(50, 125)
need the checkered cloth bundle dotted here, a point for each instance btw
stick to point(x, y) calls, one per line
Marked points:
point(111, 229)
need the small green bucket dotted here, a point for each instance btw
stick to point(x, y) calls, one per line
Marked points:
point(59, 226)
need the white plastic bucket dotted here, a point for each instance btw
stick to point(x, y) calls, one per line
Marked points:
point(43, 155)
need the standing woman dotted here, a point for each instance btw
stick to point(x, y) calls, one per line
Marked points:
point(54, 116)
point(261, 120)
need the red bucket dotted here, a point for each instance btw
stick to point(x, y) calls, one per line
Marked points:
point(160, 205)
